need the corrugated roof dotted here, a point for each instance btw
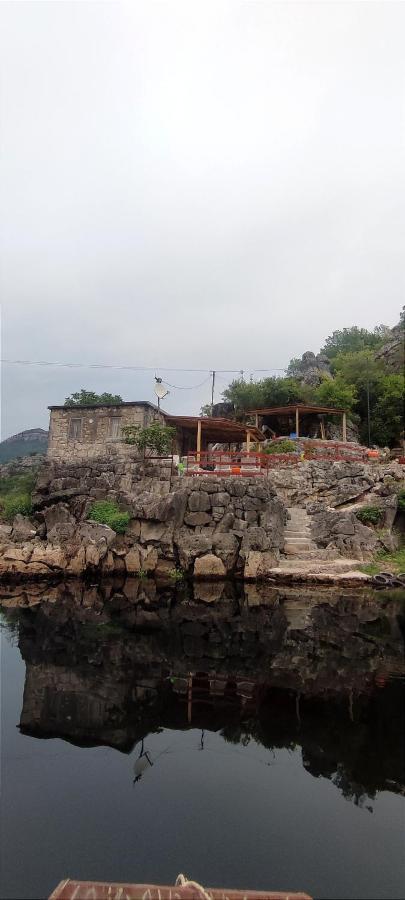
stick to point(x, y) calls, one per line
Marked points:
point(217, 427)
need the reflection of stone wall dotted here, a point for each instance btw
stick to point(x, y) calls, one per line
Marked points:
point(109, 666)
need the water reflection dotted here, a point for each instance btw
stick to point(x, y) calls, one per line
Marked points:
point(111, 665)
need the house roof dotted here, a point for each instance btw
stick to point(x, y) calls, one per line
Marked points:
point(285, 410)
point(109, 405)
point(216, 428)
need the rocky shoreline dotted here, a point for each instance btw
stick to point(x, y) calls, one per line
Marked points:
point(203, 528)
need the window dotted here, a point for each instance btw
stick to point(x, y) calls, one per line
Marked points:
point(75, 429)
point(115, 428)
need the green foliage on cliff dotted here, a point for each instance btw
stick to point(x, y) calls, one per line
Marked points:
point(370, 515)
point(281, 447)
point(15, 495)
point(106, 512)
point(89, 398)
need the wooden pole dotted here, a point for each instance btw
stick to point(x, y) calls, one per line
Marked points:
point(198, 440)
point(248, 441)
point(344, 427)
point(297, 422)
point(257, 420)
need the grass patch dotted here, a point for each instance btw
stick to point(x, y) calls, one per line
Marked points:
point(15, 495)
point(281, 447)
point(106, 512)
point(383, 561)
point(370, 515)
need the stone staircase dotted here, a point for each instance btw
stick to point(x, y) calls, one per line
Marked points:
point(303, 558)
point(297, 533)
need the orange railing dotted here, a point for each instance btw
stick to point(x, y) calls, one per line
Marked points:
point(226, 462)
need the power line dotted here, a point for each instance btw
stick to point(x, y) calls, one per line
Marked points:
point(68, 365)
point(187, 387)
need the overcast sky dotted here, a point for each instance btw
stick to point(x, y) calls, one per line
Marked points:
point(196, 185)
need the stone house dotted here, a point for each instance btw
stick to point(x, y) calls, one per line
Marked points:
point(85, 432)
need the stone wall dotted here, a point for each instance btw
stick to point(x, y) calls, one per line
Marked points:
point(97, 430)
point(206, 527)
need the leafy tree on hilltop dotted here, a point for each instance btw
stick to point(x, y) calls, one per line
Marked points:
point(268, 392)
point(89, 398)
point(354, 339)
point(334, 392)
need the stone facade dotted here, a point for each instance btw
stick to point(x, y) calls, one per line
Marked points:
point(87, 432)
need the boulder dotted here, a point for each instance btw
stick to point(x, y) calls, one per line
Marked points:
point(199, 501)
point(133, 560)
point(152, 531)
point(209, 566)
point(255, 538)
point(258, 564)
point(23, 529)
point(226, 547)
point(56, 515)
point(149, 559)
point(190, 545)
point(197, 518)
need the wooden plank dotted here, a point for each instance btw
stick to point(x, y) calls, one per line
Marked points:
point(101, 890)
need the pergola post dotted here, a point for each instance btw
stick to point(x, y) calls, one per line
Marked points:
point(344, 427)
point(257, 420)
point(199, 424)
point(297, 422)
point(248, 441)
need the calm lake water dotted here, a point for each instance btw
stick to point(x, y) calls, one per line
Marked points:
point(251, 740)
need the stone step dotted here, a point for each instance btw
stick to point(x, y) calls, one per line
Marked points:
point(295, 532)
point(316, 554)
point(314, 566)
point(298, 549)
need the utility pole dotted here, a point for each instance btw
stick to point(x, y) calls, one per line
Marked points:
point(212, 392)
point(368, 412)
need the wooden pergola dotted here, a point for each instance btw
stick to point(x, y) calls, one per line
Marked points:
point(215, 430)
point(294, 409)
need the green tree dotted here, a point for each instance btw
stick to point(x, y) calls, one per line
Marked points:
point(155, 438)
point(387, 423)
point(268, 392)
point(89, 398)
point(336, 393)
point(351, 340)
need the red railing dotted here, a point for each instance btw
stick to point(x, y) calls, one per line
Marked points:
point(226, 462)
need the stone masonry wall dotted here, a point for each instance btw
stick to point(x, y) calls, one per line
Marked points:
point(207, 527)
point(96, 430)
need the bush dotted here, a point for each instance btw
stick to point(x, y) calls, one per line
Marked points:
point(370, 515)
point(281, 447)
point(106, 512)
point(12, 504)
point(156, 438)
point(401, 501)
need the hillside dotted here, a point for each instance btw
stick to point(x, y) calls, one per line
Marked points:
point(33, 440)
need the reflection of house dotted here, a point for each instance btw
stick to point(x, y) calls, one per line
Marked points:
point(91, 431)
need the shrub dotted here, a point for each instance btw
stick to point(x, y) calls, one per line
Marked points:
point(281, 447)
point(12, 504)
point(156, 438)
point(106, 512)
point(401, 501)
point(370, 515)
point(176, 574)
